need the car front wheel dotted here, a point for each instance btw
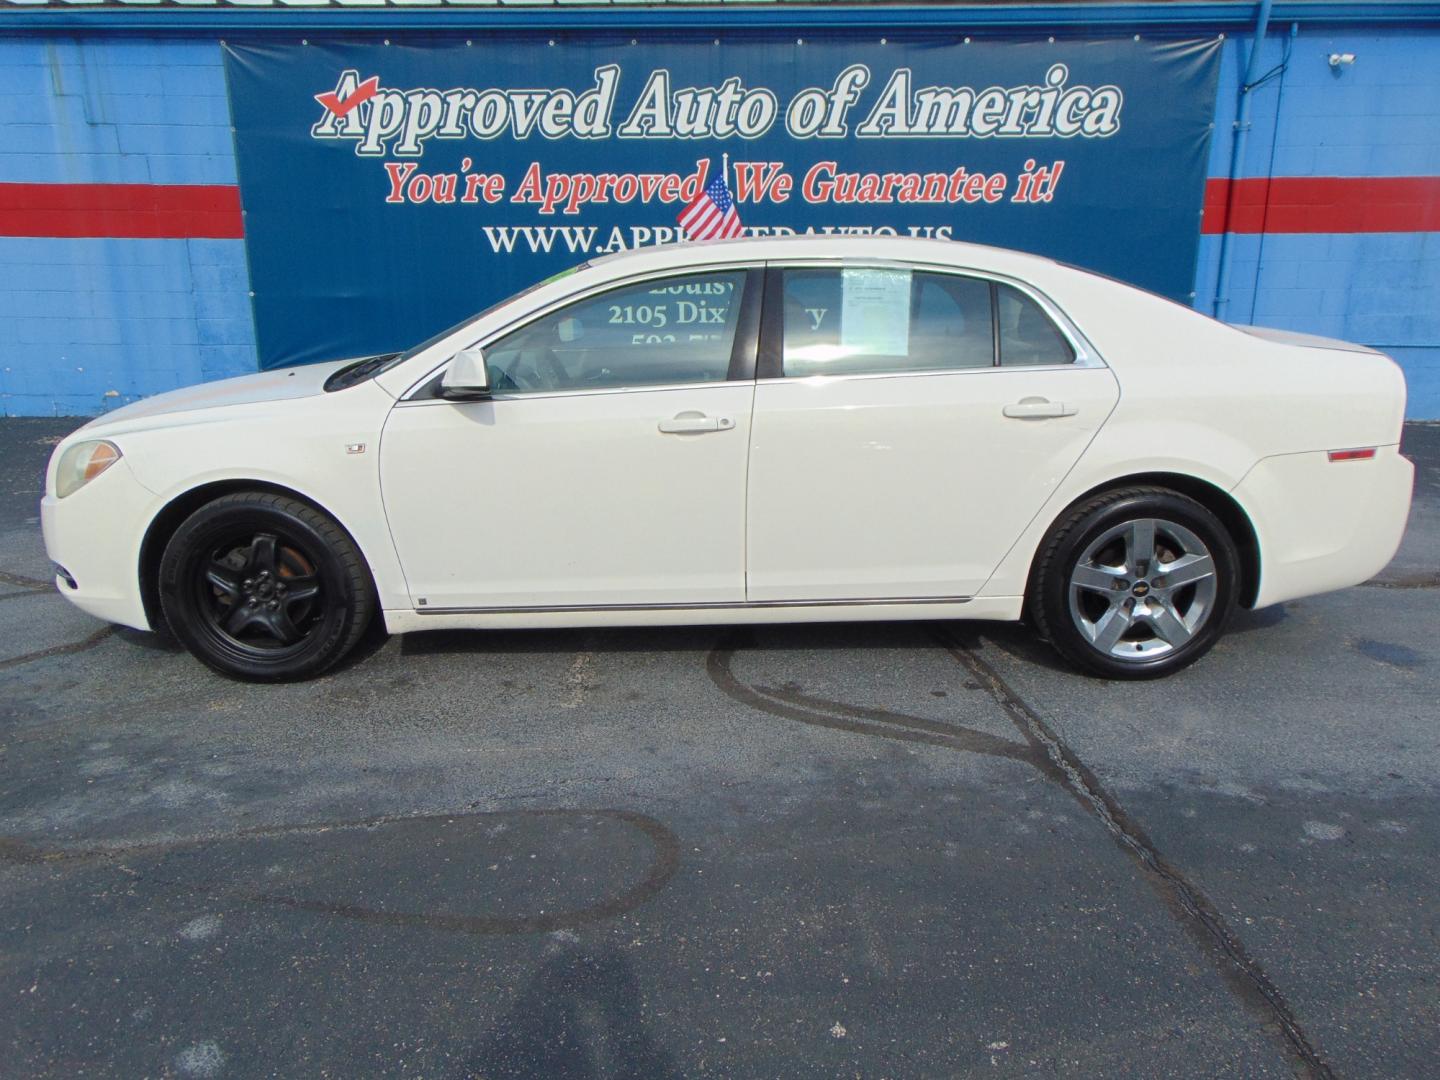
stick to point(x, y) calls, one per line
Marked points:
point(1135, 583)
point(264, 587)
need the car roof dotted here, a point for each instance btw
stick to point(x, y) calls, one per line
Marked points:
point(823, 246)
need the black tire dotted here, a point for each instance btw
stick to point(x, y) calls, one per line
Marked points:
point(265, 588)
point(1072, 604)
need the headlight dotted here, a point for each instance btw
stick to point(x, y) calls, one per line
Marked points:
point(83, 462)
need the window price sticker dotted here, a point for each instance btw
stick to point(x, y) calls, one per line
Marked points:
point(875, 312)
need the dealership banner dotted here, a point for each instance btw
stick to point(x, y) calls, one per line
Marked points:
point(391, 190)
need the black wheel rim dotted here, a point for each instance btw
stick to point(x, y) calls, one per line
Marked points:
point(260, 592)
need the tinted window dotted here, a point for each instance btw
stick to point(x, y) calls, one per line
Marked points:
point(669, 330)
point(1027, 334)
point(860, 320)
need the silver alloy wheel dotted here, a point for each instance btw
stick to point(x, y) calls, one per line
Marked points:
point(1142, 589)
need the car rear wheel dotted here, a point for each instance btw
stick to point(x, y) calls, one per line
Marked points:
point(1136, 583)
point(264, 587)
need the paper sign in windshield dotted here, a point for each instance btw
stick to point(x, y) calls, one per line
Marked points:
point(875, 312)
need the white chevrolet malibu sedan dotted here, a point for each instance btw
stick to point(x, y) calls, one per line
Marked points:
point(808, 429)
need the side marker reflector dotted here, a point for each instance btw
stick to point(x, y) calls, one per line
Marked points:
point(1353, 455)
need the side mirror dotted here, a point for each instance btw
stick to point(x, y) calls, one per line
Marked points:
point(467, 377)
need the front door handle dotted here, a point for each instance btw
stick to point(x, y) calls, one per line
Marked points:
point(1038, 408)
point(693, 423)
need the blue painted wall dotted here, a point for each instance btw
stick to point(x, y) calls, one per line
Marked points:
point(1377, 117)
point(91, 324)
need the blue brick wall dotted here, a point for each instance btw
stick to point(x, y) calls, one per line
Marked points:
point(1377, 117)
point(93, 324)
point(96, 323)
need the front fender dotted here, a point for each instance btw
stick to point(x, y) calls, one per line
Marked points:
point(327, 455)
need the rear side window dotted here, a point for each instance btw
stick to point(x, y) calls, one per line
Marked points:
point(872, 320)
point(1028, 336)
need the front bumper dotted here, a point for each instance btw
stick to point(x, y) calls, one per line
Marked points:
point(95, 534)
point(1322, 524)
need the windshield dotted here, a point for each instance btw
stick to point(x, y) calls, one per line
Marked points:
point(374, 365)
point(418, 349)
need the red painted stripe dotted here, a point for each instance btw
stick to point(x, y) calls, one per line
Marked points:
point(176, 211)
point(1324, 204)
point(1285, 204)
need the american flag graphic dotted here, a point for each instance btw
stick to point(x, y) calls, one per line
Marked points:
point(712, 216)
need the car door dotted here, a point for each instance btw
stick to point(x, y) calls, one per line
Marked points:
point(908, 424)
point(606, 469)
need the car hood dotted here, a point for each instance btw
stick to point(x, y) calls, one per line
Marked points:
point(279, 385)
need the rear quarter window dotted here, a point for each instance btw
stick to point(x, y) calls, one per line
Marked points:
point(1027, 334)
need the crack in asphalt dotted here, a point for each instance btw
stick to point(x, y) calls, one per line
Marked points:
point(60, 650)
point(1245, 976)
point(662, 868)
point(793, 705)
point(1044, 750)
point(1416, 581)
point(30, 583)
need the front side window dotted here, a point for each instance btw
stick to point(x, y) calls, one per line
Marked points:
point(872, 320)
point(667, 330)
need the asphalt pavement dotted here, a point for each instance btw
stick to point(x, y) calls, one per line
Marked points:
point(878, 850)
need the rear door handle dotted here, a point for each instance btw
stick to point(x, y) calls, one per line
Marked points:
point(1038, 408)
point(693, 423)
